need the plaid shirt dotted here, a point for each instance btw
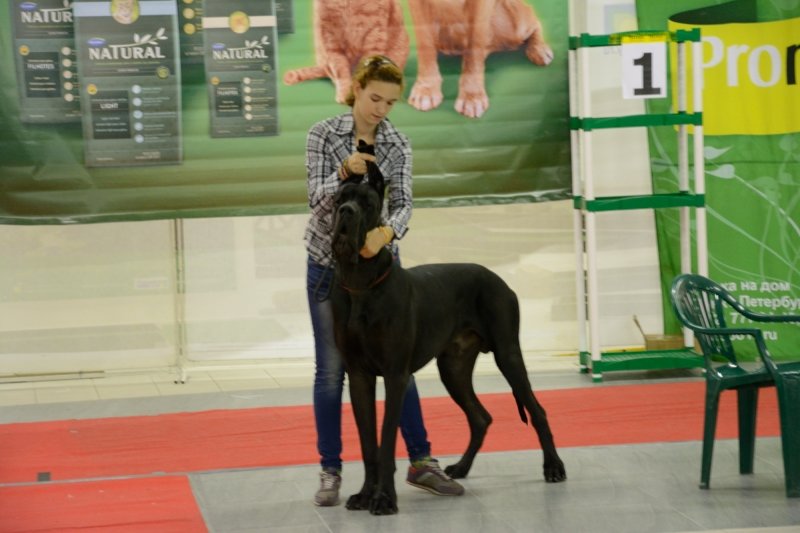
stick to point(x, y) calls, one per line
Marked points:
point(328, 144)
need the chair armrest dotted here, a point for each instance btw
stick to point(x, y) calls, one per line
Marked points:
point(760, 317)
point(755, 316)
point(726, 331)
point(758, 338)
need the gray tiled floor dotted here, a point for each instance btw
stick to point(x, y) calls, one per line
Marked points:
point(629, 488)
point(643, 488)
point(639, 488)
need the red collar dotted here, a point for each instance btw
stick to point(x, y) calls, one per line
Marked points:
point(377, 281)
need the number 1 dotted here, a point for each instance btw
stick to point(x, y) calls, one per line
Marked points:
point(646, 62)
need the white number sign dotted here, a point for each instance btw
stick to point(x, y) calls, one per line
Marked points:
point(644, 70)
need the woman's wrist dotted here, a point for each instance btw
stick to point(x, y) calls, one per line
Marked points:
point(388, 233)
point(344, 170)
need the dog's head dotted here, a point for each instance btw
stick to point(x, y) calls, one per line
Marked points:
point(357, 210)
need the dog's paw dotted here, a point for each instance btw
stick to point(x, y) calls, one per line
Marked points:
point(358, 502)
point(456, 471)
point(291, 77)
point(472, 100)
point(540, 54)
point(472, 106)
point(554, 472)
point(426, 95)
point(382, 504)
point(342, 89)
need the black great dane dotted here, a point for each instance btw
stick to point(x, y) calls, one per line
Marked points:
point(390, 322)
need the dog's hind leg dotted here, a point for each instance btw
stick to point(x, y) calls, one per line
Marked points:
point(455, 370)
point(536, 48)
point(512, 366)
point(500, 310)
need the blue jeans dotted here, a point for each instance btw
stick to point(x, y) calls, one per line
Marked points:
point(329, 381)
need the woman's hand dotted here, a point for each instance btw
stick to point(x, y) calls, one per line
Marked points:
point(376, 239)
point(356, 163)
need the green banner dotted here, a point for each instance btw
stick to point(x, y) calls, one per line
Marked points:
point(101, 122)
point(751, 119)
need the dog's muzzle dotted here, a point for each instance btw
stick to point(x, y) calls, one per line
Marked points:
point(348, 233)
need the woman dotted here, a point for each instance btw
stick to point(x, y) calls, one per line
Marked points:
point(331, 159)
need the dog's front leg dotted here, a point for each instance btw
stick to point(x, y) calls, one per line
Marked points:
point(472, 100)
point(384, 501)
point(426, 94)
point(362, 397)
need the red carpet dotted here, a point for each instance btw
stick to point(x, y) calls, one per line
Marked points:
point(222, 439)
point(164, 504)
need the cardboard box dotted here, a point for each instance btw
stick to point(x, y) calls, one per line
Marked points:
point(658, 341)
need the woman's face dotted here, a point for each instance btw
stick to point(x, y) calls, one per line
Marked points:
point(373, 102)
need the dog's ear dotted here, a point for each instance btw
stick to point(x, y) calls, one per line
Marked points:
point(374, 173)
point(365, 148)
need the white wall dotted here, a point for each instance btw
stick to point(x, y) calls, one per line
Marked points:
point(86, 297)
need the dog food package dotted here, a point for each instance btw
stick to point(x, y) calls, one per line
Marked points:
point(44, 60)
point(241, 67)
point(284, 10)
point(190, 13)
point(128, 63)
point(190, 16)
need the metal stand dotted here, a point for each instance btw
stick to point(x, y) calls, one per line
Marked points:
point(180, 300)
point(587, 205)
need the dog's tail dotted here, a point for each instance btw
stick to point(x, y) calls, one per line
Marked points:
point(511, 370)
point(523, 415)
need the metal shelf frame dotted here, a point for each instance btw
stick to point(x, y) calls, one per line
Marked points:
point(587, 205)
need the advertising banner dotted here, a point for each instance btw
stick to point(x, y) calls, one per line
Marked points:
point(128, 63)
point(44, 61)
point(751, 121)
point(224, 115)
point(240, 53)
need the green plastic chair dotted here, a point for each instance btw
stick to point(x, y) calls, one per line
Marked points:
point(700, 305)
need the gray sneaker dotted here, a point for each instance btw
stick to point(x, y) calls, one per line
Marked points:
point(328, 493)
point(428, 475)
